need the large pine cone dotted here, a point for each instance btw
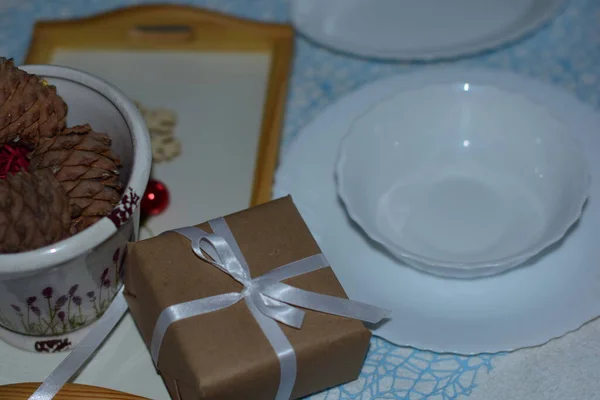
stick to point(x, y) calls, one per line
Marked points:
point(34, 211)
point(29, 108)
point(86, 167)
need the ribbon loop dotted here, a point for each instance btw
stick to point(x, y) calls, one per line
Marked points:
point(224, 258)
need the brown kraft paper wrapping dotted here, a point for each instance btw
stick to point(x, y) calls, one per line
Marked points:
point(225, 354)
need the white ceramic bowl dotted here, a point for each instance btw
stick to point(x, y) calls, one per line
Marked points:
point(462, 181)
point(59, 289)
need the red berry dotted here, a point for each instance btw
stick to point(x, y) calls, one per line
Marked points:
point(12, 159)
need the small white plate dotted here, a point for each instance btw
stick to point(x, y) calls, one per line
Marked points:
point(419, 29)
point(554, 294)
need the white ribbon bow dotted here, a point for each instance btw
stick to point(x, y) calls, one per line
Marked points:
point(268, 299)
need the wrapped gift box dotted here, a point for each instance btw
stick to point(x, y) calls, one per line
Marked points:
point(225, 354)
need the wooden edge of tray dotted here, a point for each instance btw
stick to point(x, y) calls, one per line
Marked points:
point(71, 391)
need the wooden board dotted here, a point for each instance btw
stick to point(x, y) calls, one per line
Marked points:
point(223, 79)
point(70, 391)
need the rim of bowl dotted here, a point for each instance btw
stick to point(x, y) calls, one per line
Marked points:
point(80, 243)
point(403, 254)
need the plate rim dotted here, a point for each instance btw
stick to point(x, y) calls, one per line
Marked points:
point(449, 53)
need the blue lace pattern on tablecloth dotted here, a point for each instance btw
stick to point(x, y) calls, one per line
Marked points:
point(565, 52)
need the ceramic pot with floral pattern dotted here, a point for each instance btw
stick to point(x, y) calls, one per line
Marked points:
point(50, 296)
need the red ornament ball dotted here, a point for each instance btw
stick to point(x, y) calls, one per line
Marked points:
point(156, 198)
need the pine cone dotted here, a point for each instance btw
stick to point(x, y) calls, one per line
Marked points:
point(29, 108)
point(87, 169)
point(34, 211)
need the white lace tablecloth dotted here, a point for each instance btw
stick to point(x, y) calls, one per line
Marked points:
point(566, 53)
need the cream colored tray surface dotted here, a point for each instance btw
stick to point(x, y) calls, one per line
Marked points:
point(214, 84)
point(217, 105)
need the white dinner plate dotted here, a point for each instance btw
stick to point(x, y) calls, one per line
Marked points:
point(419, 29)
point(552, 295)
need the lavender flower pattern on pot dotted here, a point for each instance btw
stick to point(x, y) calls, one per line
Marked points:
point(60, 306)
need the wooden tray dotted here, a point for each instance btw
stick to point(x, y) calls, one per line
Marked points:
point(224, 79)
point(71, 391)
